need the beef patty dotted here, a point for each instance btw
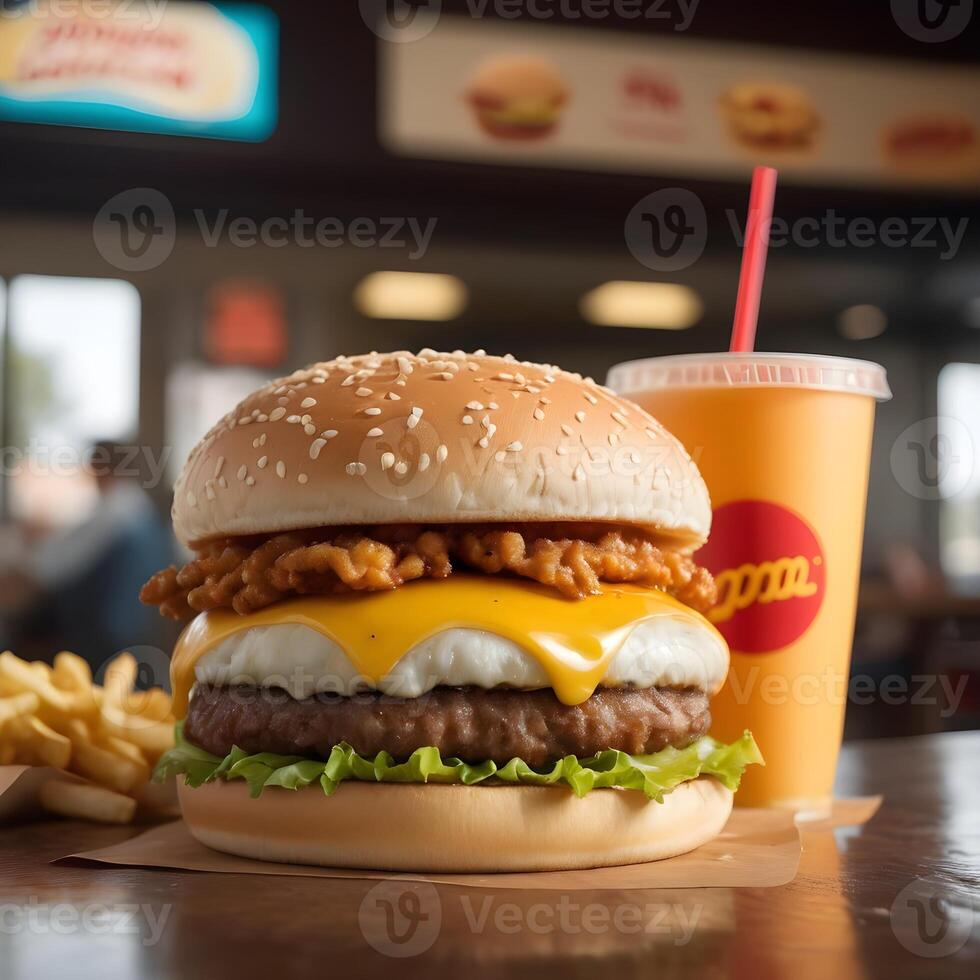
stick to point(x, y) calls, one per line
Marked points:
point(467, 722)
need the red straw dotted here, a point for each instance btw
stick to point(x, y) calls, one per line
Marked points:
point(753, 259)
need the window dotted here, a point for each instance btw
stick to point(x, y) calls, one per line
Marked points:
point(72, 370)
point(959, 480)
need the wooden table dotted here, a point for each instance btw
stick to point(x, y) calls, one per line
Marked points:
point(846, 915)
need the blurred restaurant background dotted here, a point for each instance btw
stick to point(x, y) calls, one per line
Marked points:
point(197, 197)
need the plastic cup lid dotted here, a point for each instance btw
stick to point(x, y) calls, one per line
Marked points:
point(751, 370)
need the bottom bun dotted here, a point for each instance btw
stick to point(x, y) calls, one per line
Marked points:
point(417, 827)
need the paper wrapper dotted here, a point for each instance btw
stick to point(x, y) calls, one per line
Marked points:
point(20, 788)
point(757, 849)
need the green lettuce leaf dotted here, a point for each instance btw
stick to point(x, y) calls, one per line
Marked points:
point(654, 775)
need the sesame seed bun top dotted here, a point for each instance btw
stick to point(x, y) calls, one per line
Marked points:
point(437, 438)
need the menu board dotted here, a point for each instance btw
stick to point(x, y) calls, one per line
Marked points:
point(559, 96)
point(196, 69)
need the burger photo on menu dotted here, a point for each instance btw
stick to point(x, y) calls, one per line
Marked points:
point(774, 117)
point(517, 97)
point(444, 614)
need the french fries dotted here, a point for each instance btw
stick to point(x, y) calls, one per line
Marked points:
point(110, 734)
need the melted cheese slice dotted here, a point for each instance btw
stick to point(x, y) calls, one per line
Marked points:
point(574, 641)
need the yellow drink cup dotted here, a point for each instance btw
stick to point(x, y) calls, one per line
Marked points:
point(784, 443)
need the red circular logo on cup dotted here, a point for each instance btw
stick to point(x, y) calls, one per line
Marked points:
point(770, 571)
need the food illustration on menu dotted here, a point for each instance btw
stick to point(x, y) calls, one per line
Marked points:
point(517, 97)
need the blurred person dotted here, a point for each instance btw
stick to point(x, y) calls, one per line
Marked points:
point(78, 582)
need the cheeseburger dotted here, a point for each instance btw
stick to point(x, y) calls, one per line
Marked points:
point(444, 616)
point(517, 97)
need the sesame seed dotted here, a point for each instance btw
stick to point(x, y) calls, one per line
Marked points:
point(393, 397)
point(348, 381)
point(307, 403)
point(245, 421)
point(310, 430)
point(545, 400)
point(400, 382)
point(280, 469)
point(620, 418)
point(372, 411)
point(520, 379)
point(467, 420)
point(561, 451)
point(651, 433)
point(539, 414)
point(242, 472)
point(375, 432)
point(250, 481)
point(356, 469)
point(209, 490)
point(218, 467)
point(514, 447)
point(423, 462)
point(580, 416)
point(591, 399)
point(261, 417)
point(302, 478)
point(329, 433)
point(500, 457)
point(484, 442)
point(444, 376)
point(412, 421)
point(613, 438)
point(387, 461)
point(504, 376)
point(474, 406)
point(262, 439)
point(294, 420)
point(318, 381)
point(223, 483)
point(416, 411)
point(263, 462)
point(401, 467)
point(566, 429)
point(316, 446)
point(579, 473)
point(363, 392)
point(306, 419)
point(441, 453)
point(493, 405)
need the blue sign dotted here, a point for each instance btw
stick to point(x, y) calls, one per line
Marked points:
point(152, 66)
